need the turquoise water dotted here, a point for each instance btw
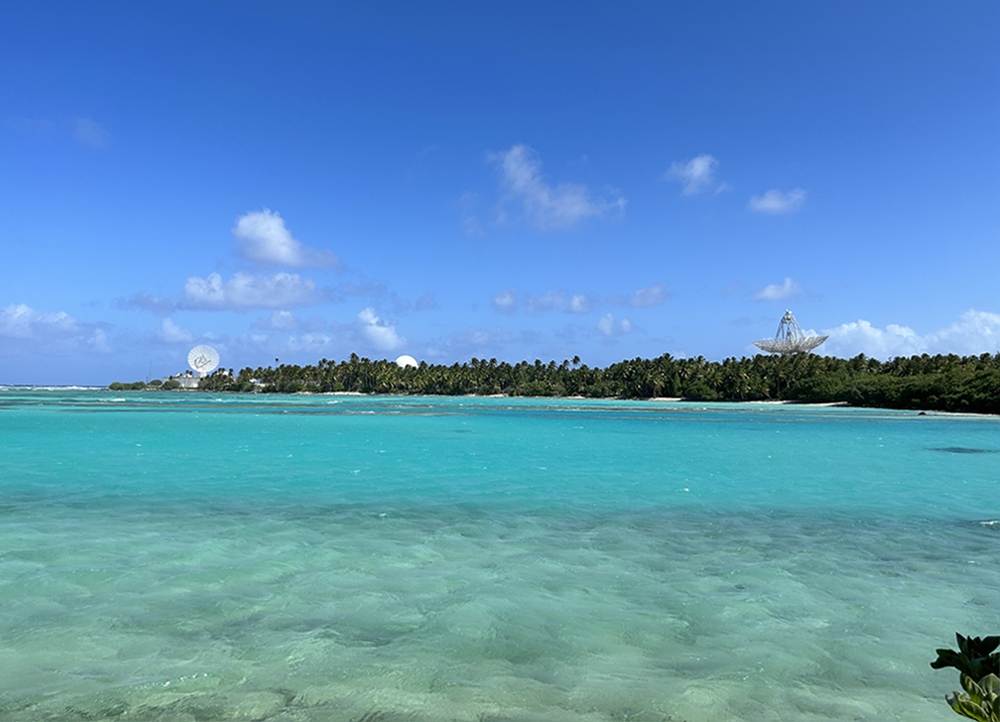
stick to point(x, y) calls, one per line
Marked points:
point(198, 557)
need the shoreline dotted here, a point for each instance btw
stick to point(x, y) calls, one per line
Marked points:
point(654, 399)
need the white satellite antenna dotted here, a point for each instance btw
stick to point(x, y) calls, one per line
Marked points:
point(406, 360)
point(790, 338)
point(203, 359)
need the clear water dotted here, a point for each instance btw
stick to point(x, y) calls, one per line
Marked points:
point(193, 557)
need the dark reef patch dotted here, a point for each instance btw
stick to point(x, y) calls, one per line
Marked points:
point(963, 450)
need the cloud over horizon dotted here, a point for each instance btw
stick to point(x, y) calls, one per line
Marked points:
point(644, 297)
point(170, 332)
point(976, 332)
point(262, 237)
point(609, 327)
point(380, 334)
point(544, 206)
point(30, 331)
point(247, 291)
point(505, 301)
point(786, 291)
point(556, 300)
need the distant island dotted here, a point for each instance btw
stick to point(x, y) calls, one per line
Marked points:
point(928, 383)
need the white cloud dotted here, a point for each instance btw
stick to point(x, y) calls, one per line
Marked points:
point(506, 301)
point(261, 236)
point(478, 342)
point(581, 303)
point(277, 321)
point(975, 333)
point(98, 340)
point(779, 292)
point(550, 301)
point(245, 291)
point(378, 333)
point(546, 206)
point(29, 331)
point(172, 333)
point(22, 321)
point(90, 133)
point(697, 174)
point(609, 327)
point(776, 202)
point(156, 304)
point(644, 297)
point(313, 342)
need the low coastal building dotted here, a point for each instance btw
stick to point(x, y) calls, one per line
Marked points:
point(187, 380)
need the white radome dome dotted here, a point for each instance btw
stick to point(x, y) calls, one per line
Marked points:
point(406, 360)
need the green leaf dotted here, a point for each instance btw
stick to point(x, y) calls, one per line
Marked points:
point(976, 656)
point(970, 685)
point(965, 707)
point(991, 684)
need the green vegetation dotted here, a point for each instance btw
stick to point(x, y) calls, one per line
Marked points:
point(939, 383)
point(978, 664)
point(134, 386)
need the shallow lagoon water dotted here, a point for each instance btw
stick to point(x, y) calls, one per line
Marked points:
point(199, 557)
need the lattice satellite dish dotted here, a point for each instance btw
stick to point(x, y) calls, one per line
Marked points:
point(203, 359)
point(790, 338)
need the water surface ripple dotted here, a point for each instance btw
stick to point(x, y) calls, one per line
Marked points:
point(197, 557)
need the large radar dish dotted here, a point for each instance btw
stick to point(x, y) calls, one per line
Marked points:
point(203, 359)
point(790, 338)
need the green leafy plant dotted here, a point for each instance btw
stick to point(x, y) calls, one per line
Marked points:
point(978, 664)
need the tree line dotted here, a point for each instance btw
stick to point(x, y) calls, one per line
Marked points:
point(939, 383)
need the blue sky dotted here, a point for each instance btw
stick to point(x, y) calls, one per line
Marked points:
point(509, 180)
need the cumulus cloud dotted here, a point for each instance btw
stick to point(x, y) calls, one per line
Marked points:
point(609, 327)
point(261, 236)
point(28, 330)
point(90, 132)
point(545, 206)
point(974, 333)
point(506, 301)
point(22, 321)
point(378, 333)
point(778, 202)
point(170, 332)
point(779, 292)
point(644, 297)
point(696, 175)
point(245, 291)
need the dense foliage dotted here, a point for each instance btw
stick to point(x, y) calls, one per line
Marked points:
point(940, 383)
point(978, 664)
